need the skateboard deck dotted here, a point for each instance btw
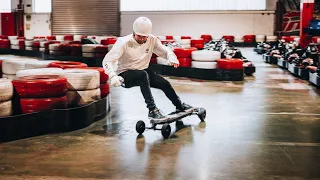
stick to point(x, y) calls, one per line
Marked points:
point(174, 116)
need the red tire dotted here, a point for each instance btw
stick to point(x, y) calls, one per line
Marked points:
point(230, 64)
point(105, 90)
point(101, 49)
point(249, 40)
point(109, 41)
point(74, 42)
point(103, 76)
point(154, 55)
point(198, 46)
point(3, 37)
point(50, 38)
point(185, 62)
point(36, 44)
point(39, 86)
point(169, 37)
point(76, 48)
point(67, 64)
point(228, 37)
point(22, 43)
point(167, 41)
point(249, 37)
point(31, 105)
point(197, 41)
point(153, 61)
point(184, 52)
point(185, 37)
point(68, 37)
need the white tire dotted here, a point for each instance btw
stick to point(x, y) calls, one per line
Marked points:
point(77, 37)
point(80, 98)
point(206, 55)
point(42, 44)
point(6, 108)
point(41, 71)
point(12, 37)
point(260, 40)
point(29, 48)
point(28, 43)
point(88, 54)
point(14, 47)
point(162, 61)
point(260, 36)
point(54, 47)
point(55, 52)
point(272, 38)
point(82, 79)
point(9, 76)
point(184, 41)
point(6, 90)
point(204, 65)
point(12, 66)
point(89, 48)
point(239, 40)
point(37, 64)
point(92, 37)
point(60, 38)
point(14, 42)
point(297, 39)
point(186, 46)
point(42, 49)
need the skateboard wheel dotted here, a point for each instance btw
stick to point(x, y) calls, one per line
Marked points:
point(202, 114)
point(140, 127)
point(166, 130)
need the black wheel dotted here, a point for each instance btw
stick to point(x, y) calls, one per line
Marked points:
point(202, 114)
point(140, 127)
point(166, 130)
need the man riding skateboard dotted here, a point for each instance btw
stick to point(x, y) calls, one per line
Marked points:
point(132, 54)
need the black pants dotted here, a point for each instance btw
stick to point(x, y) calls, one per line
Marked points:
point(146, 79)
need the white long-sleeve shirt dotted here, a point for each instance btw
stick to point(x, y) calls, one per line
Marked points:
point(127, 54)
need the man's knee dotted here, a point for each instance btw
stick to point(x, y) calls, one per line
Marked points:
point(143, 76)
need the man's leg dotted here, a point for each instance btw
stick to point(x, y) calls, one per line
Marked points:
point(159, 82)
point(141, 78)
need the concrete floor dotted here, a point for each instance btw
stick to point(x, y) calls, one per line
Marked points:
point(267, 127)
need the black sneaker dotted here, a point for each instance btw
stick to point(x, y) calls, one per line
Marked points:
point(184, 107)
point(156, 114)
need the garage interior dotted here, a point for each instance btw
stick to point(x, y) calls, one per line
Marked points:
point(251, 67)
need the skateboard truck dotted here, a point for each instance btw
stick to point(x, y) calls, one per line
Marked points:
point(172, 117)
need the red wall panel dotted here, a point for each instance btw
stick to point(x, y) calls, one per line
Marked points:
point(8, 24)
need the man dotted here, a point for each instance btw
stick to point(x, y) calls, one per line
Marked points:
point(132, 55)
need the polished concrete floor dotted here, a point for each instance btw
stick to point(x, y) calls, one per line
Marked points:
point(267, 127)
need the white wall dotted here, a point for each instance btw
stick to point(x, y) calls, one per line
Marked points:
point(195, 24)
point(40, 25)
point(216, 23)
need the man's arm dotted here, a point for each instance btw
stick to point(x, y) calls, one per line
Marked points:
point(112, 57)
point(165, 52)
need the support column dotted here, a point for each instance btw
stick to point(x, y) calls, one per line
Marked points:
point(306, 8)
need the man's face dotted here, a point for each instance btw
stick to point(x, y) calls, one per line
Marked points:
point(140, 39)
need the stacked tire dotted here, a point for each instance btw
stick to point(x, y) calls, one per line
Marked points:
point(260, 38)
point(101, 51)
point(249, 38)
point(185, 43)
point(206, 38)
point(184, 56)
point(238, 39)
point(83, 86)
point(41, 93)
point(54, 49)
point(104, 86)
point(205, 59)
point(10, 67)
point(197, 43)
point(67, 64)
point(4, 44)
point(6, 94)
point(228, 38)
point(88, 50)
point(230, 64)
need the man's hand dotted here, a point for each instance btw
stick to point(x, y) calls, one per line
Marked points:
point(174, 63)
point(116, 81)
